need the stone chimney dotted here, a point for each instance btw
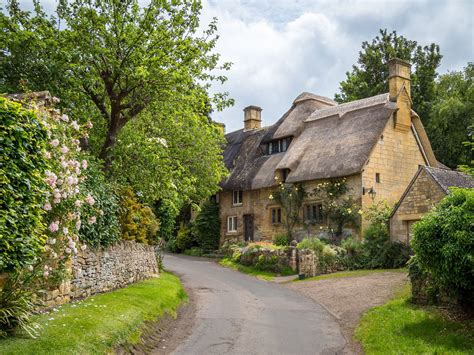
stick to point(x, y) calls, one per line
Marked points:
point(252, 117)
point(220, 125)
point(399, 83)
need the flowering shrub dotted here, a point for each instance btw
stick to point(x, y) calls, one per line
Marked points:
point(64, 197)
point(23, 139)
point(291, 197)
point(137, 220)
point(100, 210)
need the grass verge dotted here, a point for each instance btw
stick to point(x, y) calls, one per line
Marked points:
point(399, 327)
point(251, 270)
point(353, 273)
point(101, 322)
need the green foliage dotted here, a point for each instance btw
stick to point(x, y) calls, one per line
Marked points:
point(137, 220)
point(207, 226)
point(166, 214)
point(16, 306)
point(339, 209)
point(452, 118)
point(314, 244)
point(370, 76)
point(290, 197)
point(145, 85)
point(381, 252)
point(184, 239)
point(443, 243)
point(105, 230)
point(378, 213)
point(399, 327)
point(98, 324)
point(281, 240)
point(22, 195)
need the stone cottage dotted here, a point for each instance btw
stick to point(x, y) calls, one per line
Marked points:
point(427, 188)
point(376, 143)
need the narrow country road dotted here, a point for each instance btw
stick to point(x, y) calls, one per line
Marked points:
point(238, 314)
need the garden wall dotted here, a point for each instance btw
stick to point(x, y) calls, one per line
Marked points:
point(96, 271)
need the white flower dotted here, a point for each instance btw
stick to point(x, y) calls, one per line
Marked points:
point(78, 225)
point(47, 155)
point(65, 118)
point(52, 241)
point(84, 164)
point(90, 200)
point(47, 206)
point(89, 125)
point(75, 125)
point(54, 143)
point(67, 251)
point(65, 231)
point(64, 149)
point(30, 268)
point(78, 203)
point(92, 220)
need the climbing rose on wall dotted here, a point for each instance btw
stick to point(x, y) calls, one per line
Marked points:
point(66, 171)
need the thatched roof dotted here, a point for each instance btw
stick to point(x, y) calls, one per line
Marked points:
point(329, 141)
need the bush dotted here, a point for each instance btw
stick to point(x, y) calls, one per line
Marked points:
point(207, 227)
point(184, 239)
point(137, 221)
point(281, 240)
point(105, 230)
point(23, 139)
point(314, 244)
point(166, 214)
point(194, 251)
point(443, 243)
point(16, 306)
point(381, 252)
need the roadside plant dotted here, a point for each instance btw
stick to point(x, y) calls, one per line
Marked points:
point(207, 226)
point(281, 240)
point(443, 243)
point(24, 139)
point(339, 209)
point(290, 197)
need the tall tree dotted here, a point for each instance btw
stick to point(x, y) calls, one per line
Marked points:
point(370, 76)
point(140, 73)
point(452, 117)
point(112, 54)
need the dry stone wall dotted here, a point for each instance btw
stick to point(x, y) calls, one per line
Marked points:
point(97, 271)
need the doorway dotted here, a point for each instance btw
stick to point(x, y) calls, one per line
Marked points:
point(248, 227)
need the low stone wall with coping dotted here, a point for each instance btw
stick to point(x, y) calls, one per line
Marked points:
point(97, 271)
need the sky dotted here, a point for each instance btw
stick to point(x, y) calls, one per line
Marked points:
point(280, 48)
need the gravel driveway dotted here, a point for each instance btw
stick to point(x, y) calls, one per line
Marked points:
point(349, 297)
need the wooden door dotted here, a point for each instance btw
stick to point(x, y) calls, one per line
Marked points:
point(248, 227)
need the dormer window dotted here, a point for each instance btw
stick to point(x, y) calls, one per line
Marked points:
point(237, 197)
point(279, 145)
point(284, 174)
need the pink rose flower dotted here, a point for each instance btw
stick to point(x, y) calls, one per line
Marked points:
point(90, 200)
point(54, 143)
point(92, 220)
point(46, 274)
point(78, 225)
point(75, 125)
point(47, 206)
point(54, 226)
point(78, 203)
point(57, 200)
point(64, 149)
point(84, 164)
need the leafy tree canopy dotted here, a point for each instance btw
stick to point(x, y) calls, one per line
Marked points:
point(370, 76)
point(136, 71)
point(450, 117)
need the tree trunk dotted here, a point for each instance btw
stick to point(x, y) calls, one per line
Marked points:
point(110, 141)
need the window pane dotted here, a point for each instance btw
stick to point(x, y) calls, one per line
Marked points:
point(279, 215)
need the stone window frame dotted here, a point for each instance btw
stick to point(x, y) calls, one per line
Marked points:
point(320, 212)
point(275, 215)
point(237, 197)
point(232, 223)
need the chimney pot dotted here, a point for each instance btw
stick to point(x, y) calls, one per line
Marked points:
point(252, 117)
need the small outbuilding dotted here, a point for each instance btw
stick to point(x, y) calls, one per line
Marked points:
point(427, 188)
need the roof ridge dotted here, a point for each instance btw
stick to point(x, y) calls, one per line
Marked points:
point(348, 106)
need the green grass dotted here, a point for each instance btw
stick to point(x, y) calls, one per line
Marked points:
point(400, 327)
point(100, 322)
point(251, 270)
point(353, 273)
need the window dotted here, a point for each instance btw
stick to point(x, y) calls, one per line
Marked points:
point(279, 145)
point(237, 197)
point(232, 224)
point(377, 177)
point(276, 215)
point(284, 174)
point(314, 213)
